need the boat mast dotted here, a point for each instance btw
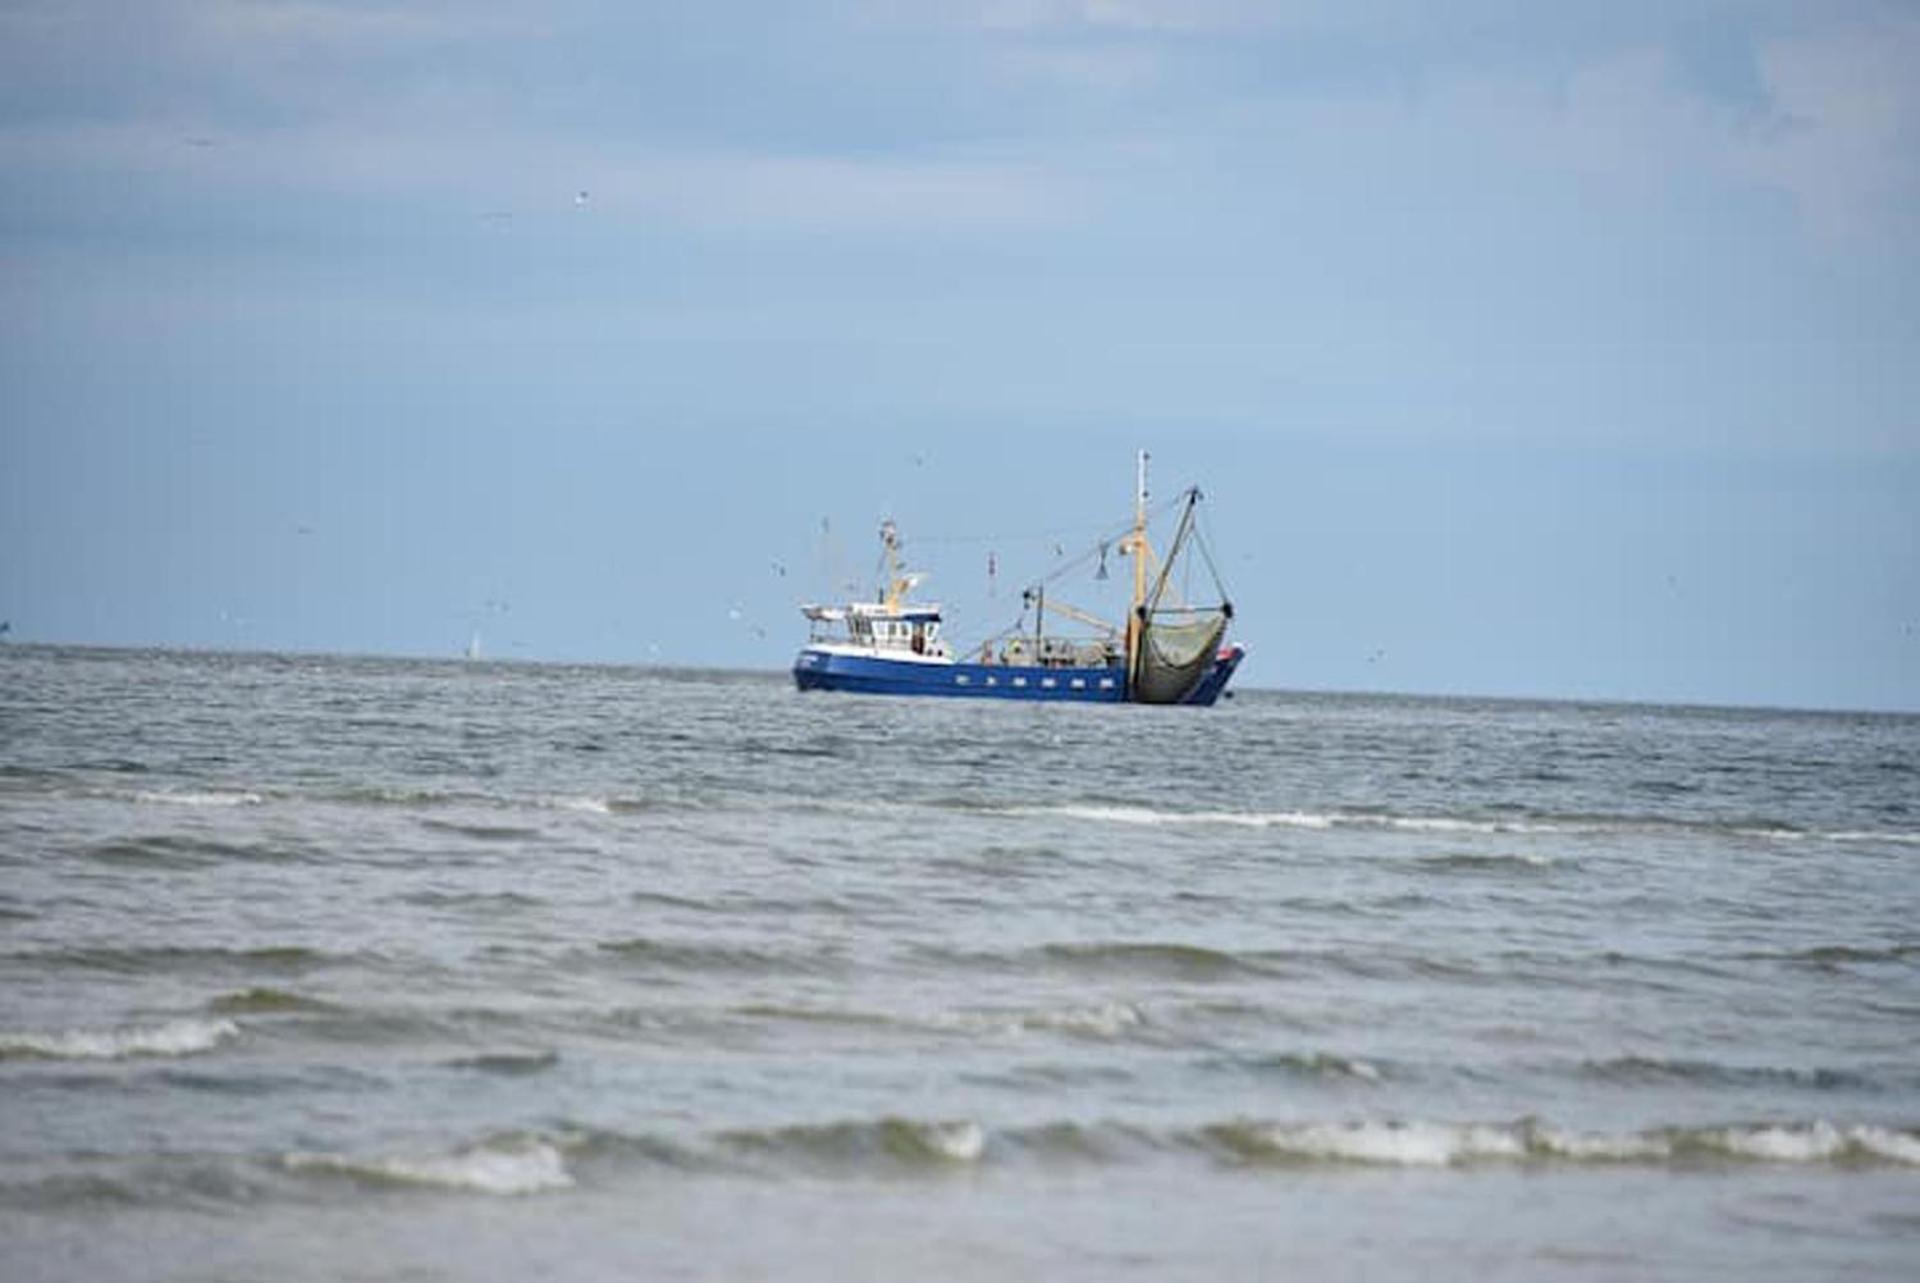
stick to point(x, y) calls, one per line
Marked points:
point(1137, 546)
point(897, 584)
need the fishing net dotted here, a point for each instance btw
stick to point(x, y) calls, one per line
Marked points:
point(1174, 656)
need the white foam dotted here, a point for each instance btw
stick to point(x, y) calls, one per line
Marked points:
point(1415, 1144)
point(1816, 1143)
point(1147, 816)
point(1316, 820)
point(1601, 1146)
point(1106, 1020)
point(215, 797)
point(173, 1038)
point(961, 1142)
point(1900, 1147)
point(530, 1169)
point(1431, 1144)
point(588, 805)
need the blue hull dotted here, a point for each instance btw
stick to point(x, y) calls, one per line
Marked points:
point(867, 675)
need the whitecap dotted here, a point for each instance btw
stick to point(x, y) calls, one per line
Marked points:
point(1142, 815)
point(1868, 835)
point(173, 1038)
point(1393, 1144)
point(961, 1142)
point(1899, 1147)
point(216, 797)
point(586, 805)
point(1602, 1146)
point(1815, 1143)
point(1106, 1020)
point(523, 1169)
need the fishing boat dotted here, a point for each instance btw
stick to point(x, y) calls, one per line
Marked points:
point(1166, 651)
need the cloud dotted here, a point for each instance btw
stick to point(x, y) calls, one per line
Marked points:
point(1013, 120)
point(1845, 136)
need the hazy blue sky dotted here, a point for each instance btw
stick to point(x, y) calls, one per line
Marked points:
point(1558, 349)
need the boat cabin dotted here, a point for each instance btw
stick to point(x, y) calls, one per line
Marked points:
point(876, 627)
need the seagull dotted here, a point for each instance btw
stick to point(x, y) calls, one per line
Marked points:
point(580, 199)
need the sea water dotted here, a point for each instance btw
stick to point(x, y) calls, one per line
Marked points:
point(318, 968)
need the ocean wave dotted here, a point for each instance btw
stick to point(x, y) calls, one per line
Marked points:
point(136, 959)
point(891, 1141)
point(1415, 1143)
point(162, 850)
point(1392, 1144)
point(521, 1163)
point(1105, 1020)
point(684, 955)
point(171, 1038)
point(199, 797)
point(585, 805)
point(1320, 1066)
point(1159, 958)
point(1541, 825)
point(1634, 1070)
point(1472, 862)
point(504, 1168)
point(265, 1000)
point(1832, 955)
point(508, 1063)
point(482, 832)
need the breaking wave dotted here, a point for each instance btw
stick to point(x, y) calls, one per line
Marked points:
point(1545, 825)
point(1317, 1066)
point(172, 1038)
point(504, 1168)
point(523, 1163)
point(1435, 1144)
point(890, 1141)
point(201, 797)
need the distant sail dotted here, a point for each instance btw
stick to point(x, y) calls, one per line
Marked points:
point(473, 646)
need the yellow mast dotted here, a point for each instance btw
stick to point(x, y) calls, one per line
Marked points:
point(1136, 546)
point(898, 583)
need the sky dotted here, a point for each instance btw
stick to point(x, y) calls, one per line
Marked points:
point(1564, 350)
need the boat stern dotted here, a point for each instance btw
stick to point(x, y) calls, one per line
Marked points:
point(1214, 684)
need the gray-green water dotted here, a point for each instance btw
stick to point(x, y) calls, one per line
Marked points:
point(330, 968)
